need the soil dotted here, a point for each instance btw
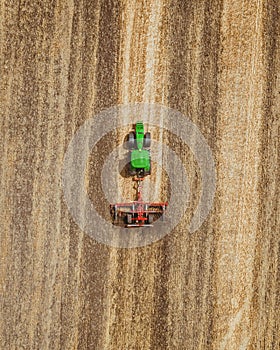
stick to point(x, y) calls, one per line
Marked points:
point(217, 62)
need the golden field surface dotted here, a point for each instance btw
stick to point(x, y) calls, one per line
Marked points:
point(218, 63)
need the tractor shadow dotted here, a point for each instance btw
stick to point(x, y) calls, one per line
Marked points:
point(124, 167)
point(124, 163)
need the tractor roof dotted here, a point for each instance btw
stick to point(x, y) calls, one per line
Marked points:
point(140, 159)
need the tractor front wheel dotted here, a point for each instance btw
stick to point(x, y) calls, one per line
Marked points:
point(147, 140)
point(131, 140)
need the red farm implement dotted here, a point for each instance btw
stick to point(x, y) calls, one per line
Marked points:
point(137, 213)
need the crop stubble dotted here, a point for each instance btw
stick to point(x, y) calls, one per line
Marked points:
point(217, 62)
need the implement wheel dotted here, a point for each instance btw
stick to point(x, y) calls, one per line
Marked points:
point(129, 218)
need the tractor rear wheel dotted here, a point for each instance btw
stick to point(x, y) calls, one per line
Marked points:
point(147, 140)
point(146, 173)
point(131, 140)
point(132, 171)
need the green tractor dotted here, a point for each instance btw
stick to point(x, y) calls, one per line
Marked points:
point(139, 145)
point(138, 213)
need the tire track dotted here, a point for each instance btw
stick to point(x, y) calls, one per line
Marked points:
point(266, 303)
point(240, 117)
point(139, 60)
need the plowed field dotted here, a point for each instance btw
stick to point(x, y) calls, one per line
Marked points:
point(217, 62)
